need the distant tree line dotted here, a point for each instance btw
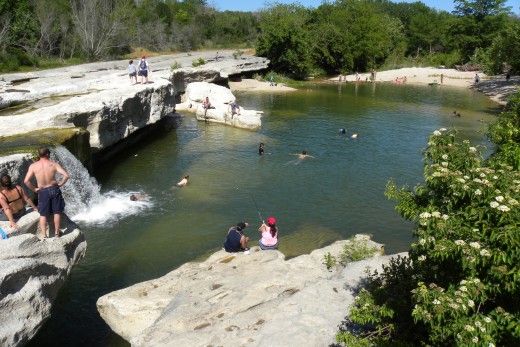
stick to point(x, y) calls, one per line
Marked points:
point(357, 35)
point(32, 31)
point(337, 37)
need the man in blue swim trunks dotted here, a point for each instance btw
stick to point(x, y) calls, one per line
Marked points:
point(50, 200)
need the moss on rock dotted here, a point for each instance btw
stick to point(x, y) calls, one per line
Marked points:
point(76, 140)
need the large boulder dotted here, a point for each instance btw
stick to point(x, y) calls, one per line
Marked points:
point(258, 299)
point(220, 111)
point(31, 274)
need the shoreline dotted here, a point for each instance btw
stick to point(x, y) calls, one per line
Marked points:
point(495, 87)
point(253, 85)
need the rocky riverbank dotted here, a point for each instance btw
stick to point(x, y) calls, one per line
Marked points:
point(256, 299)
point(31, 275)
point(100, 99)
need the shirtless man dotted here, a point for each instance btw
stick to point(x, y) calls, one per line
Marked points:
point(50, 200)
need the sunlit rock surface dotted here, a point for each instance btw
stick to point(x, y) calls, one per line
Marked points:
point(256, 299)
point(31, 274)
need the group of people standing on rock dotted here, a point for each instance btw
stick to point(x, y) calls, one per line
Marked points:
point(141, 70)
point(50, 200)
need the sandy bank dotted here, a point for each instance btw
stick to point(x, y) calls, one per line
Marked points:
point(421, 75)
point(496, 87)
point(252, 85)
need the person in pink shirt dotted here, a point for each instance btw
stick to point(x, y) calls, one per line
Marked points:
point(269, 234)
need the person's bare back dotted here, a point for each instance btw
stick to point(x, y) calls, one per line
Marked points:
point(45, 173)
point(50, 200)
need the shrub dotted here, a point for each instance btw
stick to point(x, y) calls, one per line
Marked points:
point(237, 54)
point(461, 283)
point(176, 65)
point(198, 62)
point(357, 250)
point(329, 261)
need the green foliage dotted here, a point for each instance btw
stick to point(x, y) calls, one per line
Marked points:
point(198, 62)
point(505, 50)
point(357, 250)
point(436, 59)
point(237, 54)
point(461, 283)
point(175, 65)
point(477, 24)
point(284, 40)
point(329, 261)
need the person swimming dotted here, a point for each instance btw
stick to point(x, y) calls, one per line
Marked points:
point(342, 131)
point(138, 197)
point(184, 181)
point(303, 155)
point(261, 148)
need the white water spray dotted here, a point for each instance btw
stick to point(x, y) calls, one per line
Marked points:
point(84, 201)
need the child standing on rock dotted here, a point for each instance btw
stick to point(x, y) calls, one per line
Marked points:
point(132, 72)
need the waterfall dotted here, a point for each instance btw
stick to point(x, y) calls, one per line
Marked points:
point(82, 190)
point(84, 201)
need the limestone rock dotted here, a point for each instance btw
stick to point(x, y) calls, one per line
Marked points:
point(16, 165)
point(27, 224)
point(99, 97)
point(31, 274)
point(220, 99)
point(256, 299)
point(218, 95)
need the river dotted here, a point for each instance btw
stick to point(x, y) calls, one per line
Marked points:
point(336, 194)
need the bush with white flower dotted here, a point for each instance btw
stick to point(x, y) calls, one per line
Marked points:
point(461, 283)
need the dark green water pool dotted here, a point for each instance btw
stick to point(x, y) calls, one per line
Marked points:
point(335, 195)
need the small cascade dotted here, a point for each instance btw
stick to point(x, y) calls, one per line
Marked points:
point(82, 190)
point(84, 201)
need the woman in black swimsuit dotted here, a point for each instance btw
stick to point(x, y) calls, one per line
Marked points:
point(12, 201)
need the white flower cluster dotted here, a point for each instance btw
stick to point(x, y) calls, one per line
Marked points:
point(424, 216)
point(503, 208)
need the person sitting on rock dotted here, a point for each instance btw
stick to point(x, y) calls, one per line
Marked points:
point(235, 109)
point(236, 241)
point(269, 234)
point(12, 200)
point(206, 105)
point(184, 181)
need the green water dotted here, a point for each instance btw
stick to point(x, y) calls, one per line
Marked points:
point(333, 196)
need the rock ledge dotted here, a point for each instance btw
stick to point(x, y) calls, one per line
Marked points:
point(256, 299)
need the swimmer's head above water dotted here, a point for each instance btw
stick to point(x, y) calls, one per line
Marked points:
point(304, 152)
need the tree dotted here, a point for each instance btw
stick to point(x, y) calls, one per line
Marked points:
point(505, 49)
point(99, 25)
point(478, 23)
point(284, 40)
